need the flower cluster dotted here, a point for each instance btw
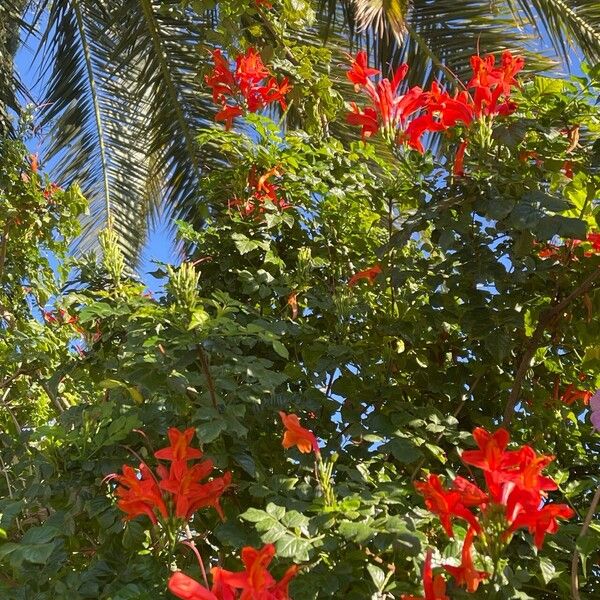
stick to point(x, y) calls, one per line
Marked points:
point(591, 247)
point(515, 498)
point(253, 582)
point(407, 117)
point(250, 87)
point(178, 490)
point(261, 193)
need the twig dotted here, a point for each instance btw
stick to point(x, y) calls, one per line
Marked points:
point(11, 378)
point(210, 383)
point(10, 412)
point(59, 406)
point(534, 342)
point(575, 560)
point(191, 544)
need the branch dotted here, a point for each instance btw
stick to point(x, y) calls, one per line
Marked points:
point(534, 342)
point(17, 373)
point(575, 559)
point(210, 383)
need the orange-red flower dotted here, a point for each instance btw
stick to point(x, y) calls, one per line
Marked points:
point(189, 493)
point(253, 583)
point(296, 435)
point(186, 588)
point(180, 483)
point(458, 169)
point(543, 521)
point(180, 446)
point(407, 117)
point(369, 274)
point(446, 504)
point(139, 494)
point(360, 72)
point(261, 192)
point(434, 587)
point(572, 394)
point(466, 574)
point(250, 87)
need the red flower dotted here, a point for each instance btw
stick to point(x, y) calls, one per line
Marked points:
point(296, 435)
point(491, 83)
point(254, 582)
point(471, 495)
point(276, 92)
point(491, 453)
point(446, 504)
point(221, 80)
point(511, 65)
point(139, 495)
point(186, 588)
point(594, 239)
point(434, 587)
point(33, 158)
point(228, 113)
point(179, 448)
point(466, 574)
point(189, 494)
point(365, 118)
point(572, 394)
point(249, 88)
point(360, 72)
point(458, 169)
point(144, 495)
point(388, 109)
point(264, 3)
point(524, 485)
point(49, 316)
point(543, 521)
point(369, 274)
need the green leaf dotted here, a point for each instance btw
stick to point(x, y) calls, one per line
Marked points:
point(280, 349)
point(547, 569)
point(377, 575)
point(210, 431)
point(293, 547)
point(40, 535)
point(277, 512)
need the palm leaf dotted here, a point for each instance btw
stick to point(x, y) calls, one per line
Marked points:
point(565, 24)
point(123, 105)
point(98, 132)
point(386, 18)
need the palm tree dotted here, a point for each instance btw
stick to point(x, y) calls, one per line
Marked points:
point(121, 98)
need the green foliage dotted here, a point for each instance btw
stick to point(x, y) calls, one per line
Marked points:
point(392, 373)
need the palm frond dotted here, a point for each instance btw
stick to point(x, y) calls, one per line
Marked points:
point(567, 24)
point(97, 127)
point(165, 44)
point(385, 18)
point(441, 36)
